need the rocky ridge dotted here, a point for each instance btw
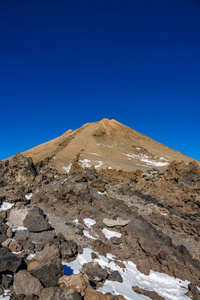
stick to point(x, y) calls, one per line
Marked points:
point(56, 216)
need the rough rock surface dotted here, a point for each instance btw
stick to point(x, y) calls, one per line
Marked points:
point(94, 272)
point(26, 284)
point(76, 282)
point(49, 272)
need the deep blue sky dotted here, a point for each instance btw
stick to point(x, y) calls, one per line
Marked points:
point(66, 63)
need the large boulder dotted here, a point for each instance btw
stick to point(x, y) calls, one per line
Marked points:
point(67, 248)
point(35, 220)
point(75, 282)
point(57, 293)
point(9, 263)
point(49, 272)
point(94, 272)
point(26, 284)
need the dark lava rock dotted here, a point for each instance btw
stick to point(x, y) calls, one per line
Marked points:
point(94, 272)
point(115, 276)
point(35, 221)
point(67, 249)
point(57, 293)
point(9, 263)
point(49, 272)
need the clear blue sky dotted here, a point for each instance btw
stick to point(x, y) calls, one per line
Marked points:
point(66, 63)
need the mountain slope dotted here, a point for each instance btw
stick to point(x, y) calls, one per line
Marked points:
point(106, 143)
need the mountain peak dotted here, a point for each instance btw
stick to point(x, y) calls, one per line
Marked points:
point(105, 144)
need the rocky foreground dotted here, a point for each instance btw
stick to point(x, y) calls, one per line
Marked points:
point(48, 221)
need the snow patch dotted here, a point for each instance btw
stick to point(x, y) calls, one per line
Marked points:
point(6, 206)
point(166, 286)
point(85, 163)
point(100, 164)
point(87, 234)
point(109, 233)
point(31, 256)
point(150, 162)
point(28, 196)
point(89, 222)
point(19, 228)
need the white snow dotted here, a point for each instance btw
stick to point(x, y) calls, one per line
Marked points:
point(28, 196)
point(19, 228)
point(87, 234)
point(85, 163)
point(100, 164)
point(5, 295)
point(109, 233)
point(145, 158)
point(89, 222)
point(76, 221)
point(6, 206)
point(17, 252)
point(166, 286)
point(30, 256)
point(67, 169)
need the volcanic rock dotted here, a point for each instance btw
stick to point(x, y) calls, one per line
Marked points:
point(49, 272)
point(75, 282)
point(26, 284)
point(94, 272)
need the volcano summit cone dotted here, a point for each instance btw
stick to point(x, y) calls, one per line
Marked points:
point(104, 144)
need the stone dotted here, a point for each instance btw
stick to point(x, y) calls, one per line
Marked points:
point(117, 222)
point(15, 246)
point(35, 221)
point(9, 232)
point(49, 272)
point(115, 240)
point(26, 284)
point(6, 243)
point(85, 199)
point(47, 252)
point(41, 238)
point(7, 281)
point(9, 263)
point(57, 293)
point(67, 249)
point(75, 282)
point(115, 276)
point(94, 272)
point(21, 235)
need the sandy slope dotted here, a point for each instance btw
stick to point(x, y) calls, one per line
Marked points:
point(105, 143)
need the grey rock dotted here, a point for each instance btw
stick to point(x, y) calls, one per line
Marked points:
point(49, 272)
point(35, 221)
point(115, 276)
point(94, 271)
point(26, 284)
point(21, 235)
point(9, 263)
